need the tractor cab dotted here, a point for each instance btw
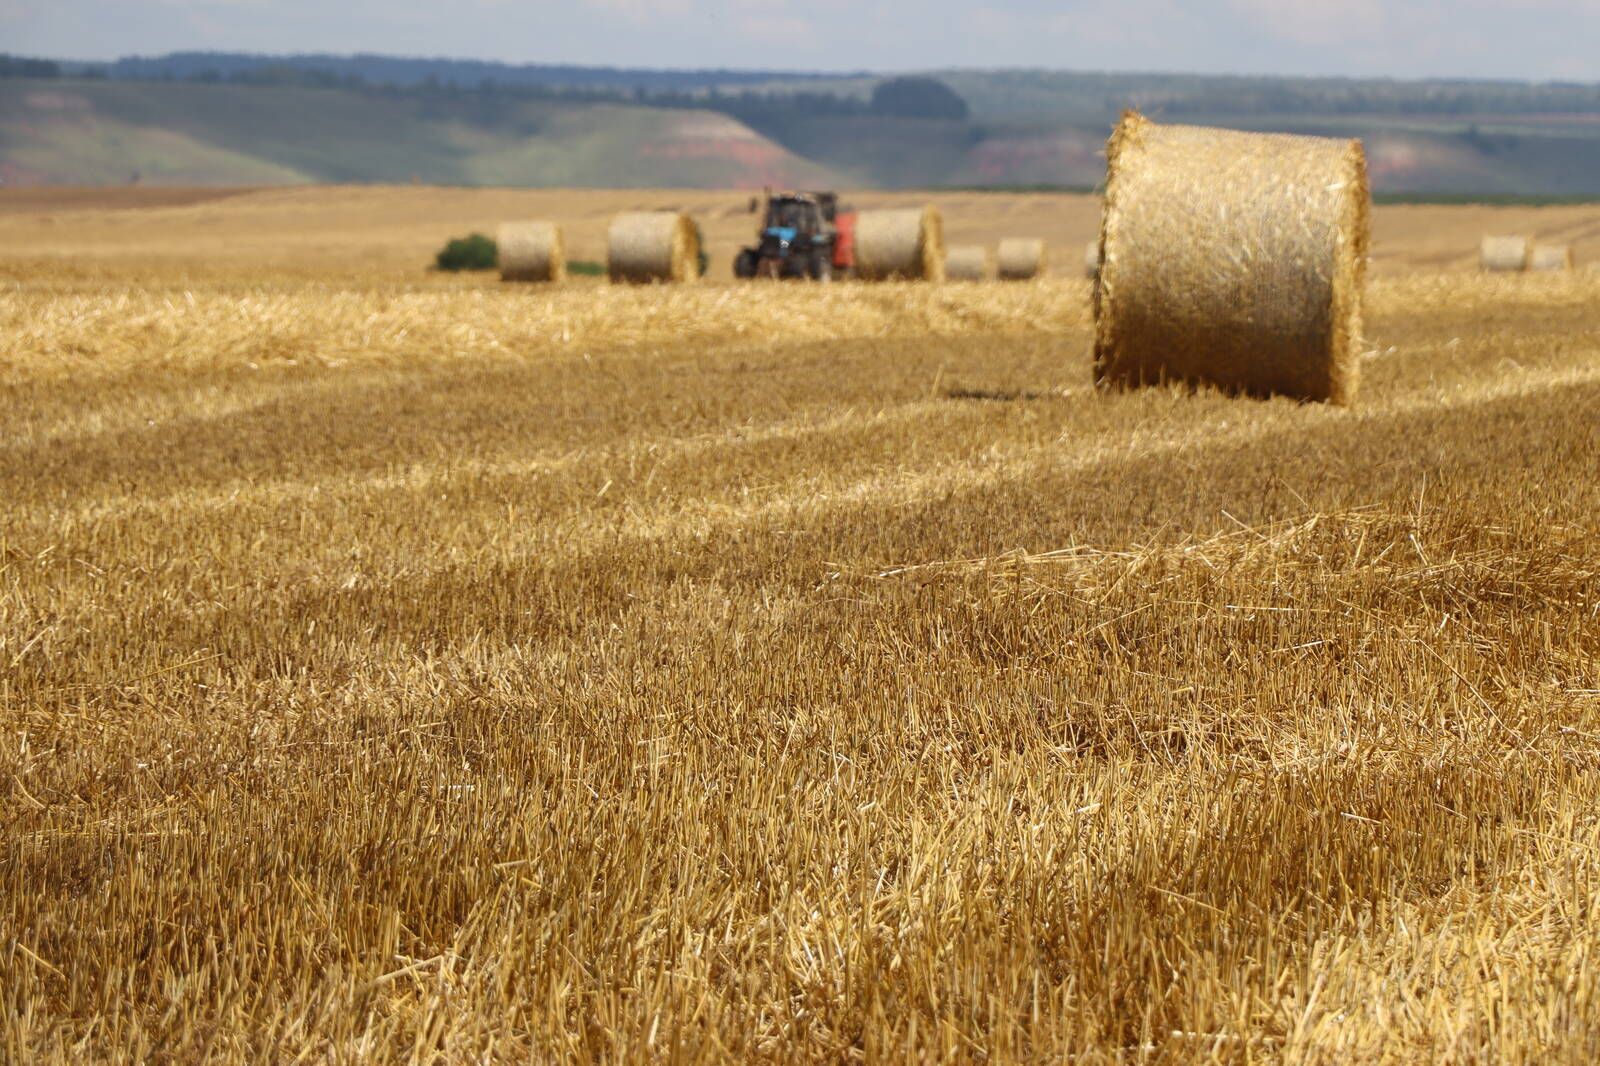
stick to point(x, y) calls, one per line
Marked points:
point(789, 217)
point(797, 239)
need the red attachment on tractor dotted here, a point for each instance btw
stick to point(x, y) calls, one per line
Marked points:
point(844, 247)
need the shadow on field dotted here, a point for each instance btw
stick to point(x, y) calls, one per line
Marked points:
point(1007, 395)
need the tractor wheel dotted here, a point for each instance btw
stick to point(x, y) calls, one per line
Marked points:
point(822, 268)
point(745, 264)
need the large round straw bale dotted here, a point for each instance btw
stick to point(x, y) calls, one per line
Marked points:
point(1550, 257)
point(968, 262)
point(900, 244)
point(1021, 258)
point(532, 251)
point(1091, 260)
point(1233, 259)
point(1505, 254)
point(646, 246)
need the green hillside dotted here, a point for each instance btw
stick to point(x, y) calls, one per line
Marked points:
point(1036, 127)
point(97, 132)
point(1026, 129)
point(874, 150)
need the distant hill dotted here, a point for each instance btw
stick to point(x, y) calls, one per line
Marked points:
point(65, 131)
point(404, 71)
point(1055, 95)
point(228, 118)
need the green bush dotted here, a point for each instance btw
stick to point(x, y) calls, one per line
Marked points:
point(585, 268)
point(476, 252)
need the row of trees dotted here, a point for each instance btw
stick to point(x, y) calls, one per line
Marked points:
point(747, 94)
point(412, 71)
point(1284, 97)
point(907, 97)
point(23, 67)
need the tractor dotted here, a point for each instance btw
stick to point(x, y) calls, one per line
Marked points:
point(804, 236)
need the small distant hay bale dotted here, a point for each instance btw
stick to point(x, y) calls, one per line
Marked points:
point(1232, 259)
point(1021, 259)
point(532, 251)
point(653, 246)
point(1505, 255)
point(1091, 260)
point(905, 245)
point(969, 262)
point(1550, 258)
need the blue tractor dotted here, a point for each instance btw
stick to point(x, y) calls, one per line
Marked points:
point(798, 240)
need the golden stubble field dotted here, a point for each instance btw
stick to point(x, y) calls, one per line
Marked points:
point(409, 669)
point(364, 234)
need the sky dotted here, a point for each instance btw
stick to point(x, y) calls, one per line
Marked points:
point(1529, 39)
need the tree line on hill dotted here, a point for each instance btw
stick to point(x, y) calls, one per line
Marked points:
point(1322, 97)
point(24, 67)
point(903, 97)
point(402, 71)
point(753, 96)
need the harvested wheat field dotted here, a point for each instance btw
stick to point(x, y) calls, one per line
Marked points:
point(397, 668)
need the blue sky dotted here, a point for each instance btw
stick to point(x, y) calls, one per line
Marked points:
point(1537, 39)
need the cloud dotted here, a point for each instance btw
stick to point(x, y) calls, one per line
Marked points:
point(643, 12)
point(1315, 22)
point(773, 28)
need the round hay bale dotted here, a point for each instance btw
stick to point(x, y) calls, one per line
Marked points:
point(1021, 259)
point(653, 246)
point(906, 245)
point(1549, 258)
point(1500, 255)
point(531, 251)
point(1232, 259)
point(1091, 260)
point(968, 262)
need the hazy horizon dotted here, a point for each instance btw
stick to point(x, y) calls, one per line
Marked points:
point(803, 72)
point(1522, 40)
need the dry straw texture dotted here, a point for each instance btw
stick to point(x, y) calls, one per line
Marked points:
point(532, 251)
point(653, 246)
point(1091, 259)
point(906, 245)
point(969, 262)
point(1021, 258)
point(1550, 258)
point(1504, 255)
point(711, 706)
point(1232, 259)
point(409, 671)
